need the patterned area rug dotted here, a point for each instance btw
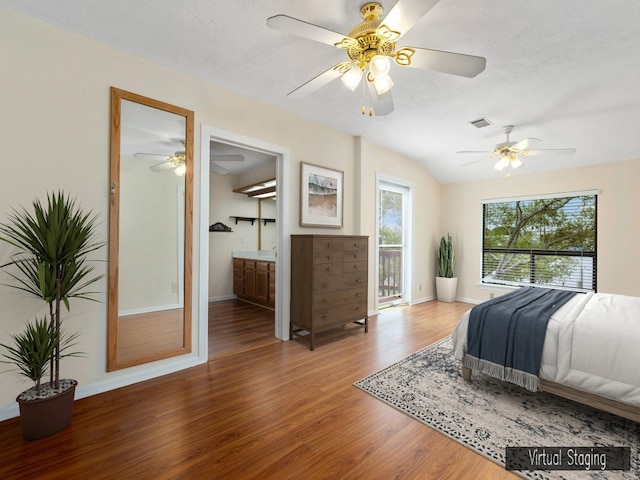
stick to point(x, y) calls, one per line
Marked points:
point(487, 415)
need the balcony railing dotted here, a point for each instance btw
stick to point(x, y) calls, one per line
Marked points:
point(390, 273)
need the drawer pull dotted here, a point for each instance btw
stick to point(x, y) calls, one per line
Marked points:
point(358, 294)
point(324, 300)
point(325, 284)
point(358, 281)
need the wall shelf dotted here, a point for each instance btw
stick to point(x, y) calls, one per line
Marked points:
point(253, 219)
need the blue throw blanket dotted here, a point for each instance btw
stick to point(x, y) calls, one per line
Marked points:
point(506, 334)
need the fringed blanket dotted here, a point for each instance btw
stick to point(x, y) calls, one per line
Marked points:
point(506, 334)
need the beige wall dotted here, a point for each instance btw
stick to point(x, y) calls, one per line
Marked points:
point(55, 125)
point(374, 162)
point(618, 225)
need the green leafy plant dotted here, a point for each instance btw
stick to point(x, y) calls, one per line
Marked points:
point(50, 263)
point(446, 257)
point(32, 350)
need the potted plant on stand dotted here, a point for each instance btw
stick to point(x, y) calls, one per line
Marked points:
point(446, 282)
point(50, 263)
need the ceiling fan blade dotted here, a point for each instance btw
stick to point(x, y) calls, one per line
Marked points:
point(551, 151)
point(382, 104)
point(524, 144)
point(284, 23)
point(162, 166)
point(446, 62)
point(218, 169)
point(315, 83)
point(477, 161)
point(406, 13)
point(228, 158)
point(476, 152)
point(150, 156)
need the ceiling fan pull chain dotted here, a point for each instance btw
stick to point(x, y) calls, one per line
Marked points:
point(364, 96)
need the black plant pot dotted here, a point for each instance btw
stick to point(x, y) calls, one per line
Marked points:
point(42, 417)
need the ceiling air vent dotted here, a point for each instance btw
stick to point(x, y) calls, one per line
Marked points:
point(481, 122)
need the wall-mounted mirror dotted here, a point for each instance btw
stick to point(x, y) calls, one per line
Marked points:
point(150, 230)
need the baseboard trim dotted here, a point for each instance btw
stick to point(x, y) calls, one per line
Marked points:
point(102, 386)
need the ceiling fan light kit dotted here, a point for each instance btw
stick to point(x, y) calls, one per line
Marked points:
point(370, 46)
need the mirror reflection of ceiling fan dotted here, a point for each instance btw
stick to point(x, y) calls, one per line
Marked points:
point(370, 46)
point(177, 162)
point(507, 154)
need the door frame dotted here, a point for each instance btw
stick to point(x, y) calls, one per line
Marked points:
point(407, 236)
point(283, 238)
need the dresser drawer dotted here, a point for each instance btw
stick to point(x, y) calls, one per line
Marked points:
point(331, 283)
point(341, 297)
point(350, 267)
point(360, 244)
point(339, 315)
point(322, 270)
point(328, 256)
point(328, 245)
point(355, 256)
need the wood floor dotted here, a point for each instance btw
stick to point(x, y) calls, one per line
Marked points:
point(276, 412)
point(236, 326)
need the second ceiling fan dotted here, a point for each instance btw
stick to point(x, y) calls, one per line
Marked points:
point(507, 154)
point(370, 46)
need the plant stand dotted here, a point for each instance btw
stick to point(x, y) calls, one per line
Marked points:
point(42, 417)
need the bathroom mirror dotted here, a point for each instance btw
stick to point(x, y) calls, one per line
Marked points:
point(150, 230)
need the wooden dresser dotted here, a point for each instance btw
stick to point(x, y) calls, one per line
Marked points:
point(328, 284)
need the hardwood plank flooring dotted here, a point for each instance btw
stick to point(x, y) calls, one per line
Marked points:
point(236, 326)
point(275, 412)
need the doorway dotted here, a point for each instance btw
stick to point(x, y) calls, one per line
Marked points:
point(393, 244)
point(280, 327)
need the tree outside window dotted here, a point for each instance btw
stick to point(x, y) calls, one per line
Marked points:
point(545, 241)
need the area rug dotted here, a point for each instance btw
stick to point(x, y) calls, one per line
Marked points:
point(488, 415)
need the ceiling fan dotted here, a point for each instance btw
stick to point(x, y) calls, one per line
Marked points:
point(370, 46)
point(508, 153)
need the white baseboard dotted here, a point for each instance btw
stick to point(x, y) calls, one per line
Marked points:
point(11, 411)
point(469, 300)
point(422, 300)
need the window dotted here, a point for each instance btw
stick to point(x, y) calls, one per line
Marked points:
point(547, 241)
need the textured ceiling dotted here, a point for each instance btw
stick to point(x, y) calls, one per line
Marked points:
point(564, 72)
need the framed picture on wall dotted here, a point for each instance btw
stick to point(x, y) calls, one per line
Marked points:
point(321, 195)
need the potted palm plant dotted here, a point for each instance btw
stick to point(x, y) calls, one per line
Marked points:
point(446, 281)
point(50, 263)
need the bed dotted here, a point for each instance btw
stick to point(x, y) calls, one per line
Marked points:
point(590, 350)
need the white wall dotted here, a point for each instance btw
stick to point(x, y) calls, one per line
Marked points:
point(618, 226)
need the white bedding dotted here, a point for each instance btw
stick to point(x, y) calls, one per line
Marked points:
point(592, 344)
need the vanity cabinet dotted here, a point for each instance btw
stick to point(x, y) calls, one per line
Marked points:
point(329, 276)
point(255, 281)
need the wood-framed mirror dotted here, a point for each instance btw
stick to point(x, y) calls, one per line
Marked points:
point(150, 230)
